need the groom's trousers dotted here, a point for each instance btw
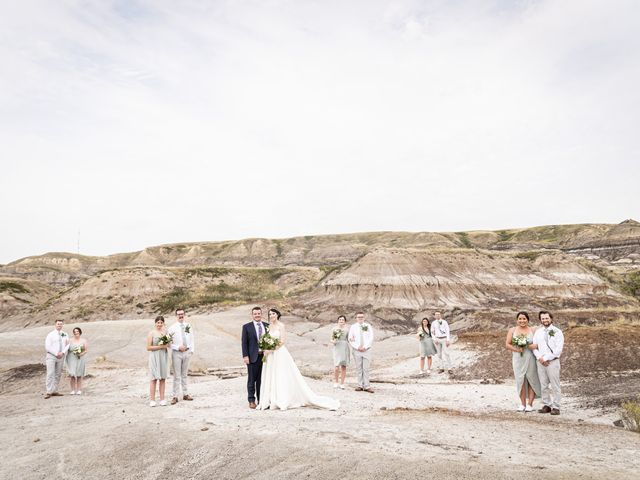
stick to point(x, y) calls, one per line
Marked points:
point(54, 371)
point(443, 352)
point(254, 371)
point(180, 362)
point(363, 364)
point(550, 383)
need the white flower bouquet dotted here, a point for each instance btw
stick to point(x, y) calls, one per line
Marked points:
point(520, 341)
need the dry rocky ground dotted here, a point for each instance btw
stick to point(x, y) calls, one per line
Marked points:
point(459, 426)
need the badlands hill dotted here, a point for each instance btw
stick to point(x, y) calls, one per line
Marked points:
point(589, 272)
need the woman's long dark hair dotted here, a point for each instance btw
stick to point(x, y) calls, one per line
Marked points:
point(274, 311)
point(428, 331)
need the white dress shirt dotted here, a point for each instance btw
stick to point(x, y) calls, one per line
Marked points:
point(360, 337)
point(176, 341)
point(264, 328)
point(440, 330)
point(54, 340)
point(549, 345)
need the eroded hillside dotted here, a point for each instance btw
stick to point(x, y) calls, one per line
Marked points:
point(480, 277)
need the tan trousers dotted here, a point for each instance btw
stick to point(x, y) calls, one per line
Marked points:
point(550, 383)
point(54, 370)
point(443, 351)
point(180, 362)
point(363, 365)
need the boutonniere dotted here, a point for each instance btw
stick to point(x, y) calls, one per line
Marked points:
point(187, 329)
point(364, 327)
point(62, 334)
point(552, 333)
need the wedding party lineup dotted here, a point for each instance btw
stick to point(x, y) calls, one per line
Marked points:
point(536, 351)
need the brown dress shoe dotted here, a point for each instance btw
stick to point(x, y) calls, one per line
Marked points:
point(187, 397)
point(48, 395)
point(56, 394)
point(545, 409)
point(174, 400)
point(252, 405)
point(555, 411)
point(359, 389)
point(370, 390)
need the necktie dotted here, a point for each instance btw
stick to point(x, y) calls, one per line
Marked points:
point(59, 342)
point(361, 337)
point(184, 337)
point(259, 329)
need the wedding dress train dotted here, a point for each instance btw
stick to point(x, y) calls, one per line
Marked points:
point(283, 386)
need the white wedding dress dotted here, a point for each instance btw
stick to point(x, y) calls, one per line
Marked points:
point(283, 386)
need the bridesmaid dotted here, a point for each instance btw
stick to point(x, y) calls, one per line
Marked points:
point(524, 363)
point(158, 361)
point(427, 347)
point(76, 363)
point(340, 352)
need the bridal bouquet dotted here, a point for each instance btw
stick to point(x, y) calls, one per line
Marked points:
point(336, 334)
point(520, 341)
point(165, 339)
point(77, 350)
point(267, 343)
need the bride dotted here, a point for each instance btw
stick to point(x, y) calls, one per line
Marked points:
point(283, 386)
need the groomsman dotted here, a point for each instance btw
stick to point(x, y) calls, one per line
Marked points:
point(182, 348)
point(361, 340)
point(442, 338)
point(56, 345)
point(547, 346)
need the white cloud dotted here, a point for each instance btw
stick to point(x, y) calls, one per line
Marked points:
point(148, 122)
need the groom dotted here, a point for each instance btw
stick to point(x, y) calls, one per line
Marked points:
point(252, 355)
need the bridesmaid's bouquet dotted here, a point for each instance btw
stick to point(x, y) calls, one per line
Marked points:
point(267, 343)
point(421, 333)
point(77, 350)
point(165, 339)
point(520, 341)
point(336, 335)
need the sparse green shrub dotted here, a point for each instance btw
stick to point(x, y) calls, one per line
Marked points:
point(464, 239)
point(504, 235)
point(631, 416)
point(631, 284)
point(279, 247)
point(213, 272)
point(81, 312)
point(178, 297)
point(13, 287)
point(531, 255)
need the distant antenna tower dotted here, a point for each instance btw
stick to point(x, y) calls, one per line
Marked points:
point(78, 242)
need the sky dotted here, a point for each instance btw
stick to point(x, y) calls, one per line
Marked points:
point(127, 124)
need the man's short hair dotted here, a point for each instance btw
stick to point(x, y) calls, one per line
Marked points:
point(61, 321)
point(359, 313)
point(180, 310)
point(437, 311)
point(543, 312)
point(255, 308)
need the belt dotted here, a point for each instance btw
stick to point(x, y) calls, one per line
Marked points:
point(440, 338)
